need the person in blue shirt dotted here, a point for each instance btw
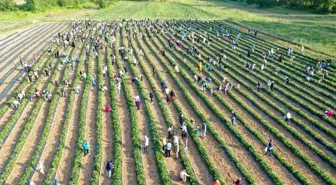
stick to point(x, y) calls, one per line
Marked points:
point(168, 149)
point(86, 147)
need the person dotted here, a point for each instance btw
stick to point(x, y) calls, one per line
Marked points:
point(262, 67)
point(184, 175)
point(216, 182)
point(77, 90)
point(63, 92)
point(287, 117)
point(233, 118)
point(176, 145)
point(40, 167)
point(94, 81)
point(104, 88)
point(109, 167)
point(237, 182)
point(269, 148)
point(177, 70)
point(16, 104)
point(258, 86)
point(20, 96)
point(151, 96)
point(272, 85)
point(204, 130)
point(181, 119)
point(108, 109)
point(56, 182)
point(184, 130)
point(86, 147)
point(170, 132)
point(37, 93)
point(329, 113)
point(146, 144)
point(168, 149)
point(287, 80)
point(197, 130)
point(137, 102)
point(302, 49)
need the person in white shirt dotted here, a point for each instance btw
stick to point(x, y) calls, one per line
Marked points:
point(287, 117)
point(184, 175)
point(20, 96)
point(16, 104)
point(146, 144)
point(40, 167)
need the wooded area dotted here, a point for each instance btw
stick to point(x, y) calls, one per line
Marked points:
point(325, 6)
point(39, 5)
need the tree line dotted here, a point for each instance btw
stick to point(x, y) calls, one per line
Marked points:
point(40, 5)
point(323, 6)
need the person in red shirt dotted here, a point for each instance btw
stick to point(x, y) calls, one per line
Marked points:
point(329, 113)
point(216, 182)
point(108, 109)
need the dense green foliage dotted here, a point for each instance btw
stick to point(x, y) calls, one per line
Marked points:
point(7, 5)
point(320, 5)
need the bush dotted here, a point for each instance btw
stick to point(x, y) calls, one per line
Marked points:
point(7, 5)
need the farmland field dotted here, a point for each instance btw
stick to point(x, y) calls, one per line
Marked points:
point(81, 80)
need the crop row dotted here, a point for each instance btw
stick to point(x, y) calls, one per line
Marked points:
point(117, 143)
point(45, 134)
point(27, 128)
point(183, 158)
point(98, 147)
point(76, 164)
point(289, 71)
point(41, 63)
point(134, 125)
point(56, 160)
point(298, 87)
point(274, 131)
point(256, 154)
point(302, 125)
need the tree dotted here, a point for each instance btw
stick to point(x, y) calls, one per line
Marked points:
point(6, 5)
point(101, 3)
point(32, 5)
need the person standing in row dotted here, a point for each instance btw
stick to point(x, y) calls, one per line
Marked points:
point(151, 96)
point(109, 167)
point(86, 147)
point(146, 143)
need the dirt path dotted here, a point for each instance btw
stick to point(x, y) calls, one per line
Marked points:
point(34, 135)
point(63, 172)
point(201, 170)
point(217, 154)
point(12, 92)
point(21, 50)
point(128, 163)
point(14, 135)
point(90, 129)
point(53, 137)
point(29, 146)
point(17, 69)
point(303, 148)
point(173, 165)
point(107, 134)
point(275, 64)
point(149, 160)
point(250, 120)
point(22, 38)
